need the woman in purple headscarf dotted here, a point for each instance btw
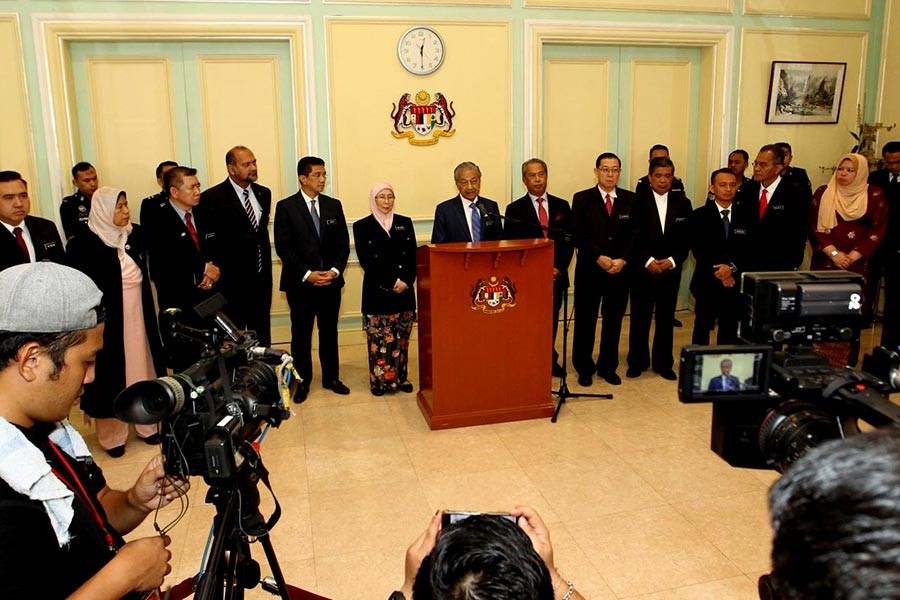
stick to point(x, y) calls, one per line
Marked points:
point(386, 248)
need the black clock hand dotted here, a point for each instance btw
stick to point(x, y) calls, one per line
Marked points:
point(422, 55)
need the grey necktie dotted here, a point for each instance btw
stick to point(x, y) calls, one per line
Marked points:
point(314, 213)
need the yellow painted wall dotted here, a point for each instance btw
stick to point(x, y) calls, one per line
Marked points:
point(366, 79)
point(818, 145)
point(16, 149)
point(810, 8)
point(653, 5)
point(890, 90)
point(576, 117)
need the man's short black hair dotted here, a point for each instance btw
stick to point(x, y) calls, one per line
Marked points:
point(56, 345)
point(163, 165)
point(305, 165)
point(660, 162)
point(892, 146)
point(606, 155)
point(784, 146)
point(742, 153)
point(727, 171)
point(836, 521)
point(485, 556)
point(81, 168)
point(656, 147)
point(175, 177)
point(776, 150)
point(10, 176)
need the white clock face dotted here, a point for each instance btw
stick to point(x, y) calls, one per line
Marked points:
point(421, 50)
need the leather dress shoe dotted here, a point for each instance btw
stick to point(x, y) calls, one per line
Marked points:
point(337, 387)
point(632, 373)
point(406, 387)
point(611, 378)
point(116, 452)
point(558, 371)
point(377, 391)
point(667, 374)
point(677, 323)
point(301, 393)
point(585, 380)
point(152, 440)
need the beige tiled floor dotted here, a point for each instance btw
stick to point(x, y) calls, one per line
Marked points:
point(638, 505)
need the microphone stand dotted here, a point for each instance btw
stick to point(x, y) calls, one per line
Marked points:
point(563, 392)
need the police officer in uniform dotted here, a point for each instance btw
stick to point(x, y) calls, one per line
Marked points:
point(74, 210)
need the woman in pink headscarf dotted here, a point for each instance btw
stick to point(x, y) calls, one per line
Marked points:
point(848, 221)
point(112, 253)
point(386, 248)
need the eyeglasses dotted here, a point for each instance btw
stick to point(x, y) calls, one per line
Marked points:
point(606, 170)
point(765, 164)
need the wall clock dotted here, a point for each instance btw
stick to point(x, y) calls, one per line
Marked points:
point(421, 50)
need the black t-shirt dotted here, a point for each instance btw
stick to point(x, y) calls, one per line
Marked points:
point(32, 564)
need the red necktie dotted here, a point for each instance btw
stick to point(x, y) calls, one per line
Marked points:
point(542, 217)
point(608, 205)
point(17, 231)
point(191, 230)
point(763, 202)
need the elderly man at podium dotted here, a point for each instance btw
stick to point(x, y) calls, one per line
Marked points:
point(466, 217)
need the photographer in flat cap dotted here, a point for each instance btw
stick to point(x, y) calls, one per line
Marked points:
point(61, 526)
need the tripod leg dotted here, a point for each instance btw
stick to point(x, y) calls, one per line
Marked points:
point(283, 591)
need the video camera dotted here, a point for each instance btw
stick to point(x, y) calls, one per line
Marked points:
point(775, 398)
point(210, 411)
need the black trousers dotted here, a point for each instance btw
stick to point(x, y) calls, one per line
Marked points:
point(716, 305)
point(596, 290)
point(319, 305)
point(250, 307)
point(890, 326)
point(560, 287)
point(652, 294)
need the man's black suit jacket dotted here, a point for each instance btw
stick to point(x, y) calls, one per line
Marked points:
point(301, 249)
point(650, 239)
point(176, 265)
point(45, 238)
point(241, 280)
point(710, 246)
point(450, 223)
point(599, 234)
point(523, 224)
point(798, 176)
point(778, 241)
point(881, 178)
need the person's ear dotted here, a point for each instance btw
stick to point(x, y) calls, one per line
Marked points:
point(29, 359)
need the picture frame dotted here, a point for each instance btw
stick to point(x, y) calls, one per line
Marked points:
point(805, 92)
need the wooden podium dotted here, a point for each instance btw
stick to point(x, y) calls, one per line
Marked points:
point(485, 332)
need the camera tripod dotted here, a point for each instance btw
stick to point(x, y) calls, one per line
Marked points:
point(230, 569)
point(563, 392)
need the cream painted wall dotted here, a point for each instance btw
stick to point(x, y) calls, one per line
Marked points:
point(814, 145)
point(366, 80)
point(16, 149)
point(890, 81)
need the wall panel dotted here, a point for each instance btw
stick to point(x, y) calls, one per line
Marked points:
point(242, 110)
point(713, 6)
point(576, 120)
point(660, 95)
point(817, 145)
point(890, 78)
point(16, 150)
point(133, 115)
point(859, 9)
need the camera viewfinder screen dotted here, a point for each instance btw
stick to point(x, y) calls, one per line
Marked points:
point(728, 374)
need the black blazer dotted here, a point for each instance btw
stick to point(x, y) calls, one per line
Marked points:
point(881, 178)
point(239, 242)
point(523, 224)
point(450, 223)
point(596, 233)
point(385, 259)
point(176, 266)
point(650, 240)
point(778, 241)
point(710, 246)
point(87, 253)
point(798, 176)
point(301, 249)
point(45, 238)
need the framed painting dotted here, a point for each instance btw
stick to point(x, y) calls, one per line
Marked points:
point(805, 92)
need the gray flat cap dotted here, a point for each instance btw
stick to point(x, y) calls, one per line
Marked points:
point(45, 297)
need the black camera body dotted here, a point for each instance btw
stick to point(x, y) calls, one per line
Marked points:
point(774, 398)
point(212, 409)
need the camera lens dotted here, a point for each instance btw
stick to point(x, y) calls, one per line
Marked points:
point(793, 428)
point(151, 401)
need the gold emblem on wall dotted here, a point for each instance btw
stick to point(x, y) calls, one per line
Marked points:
point(494, 295)
point(422, 121)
